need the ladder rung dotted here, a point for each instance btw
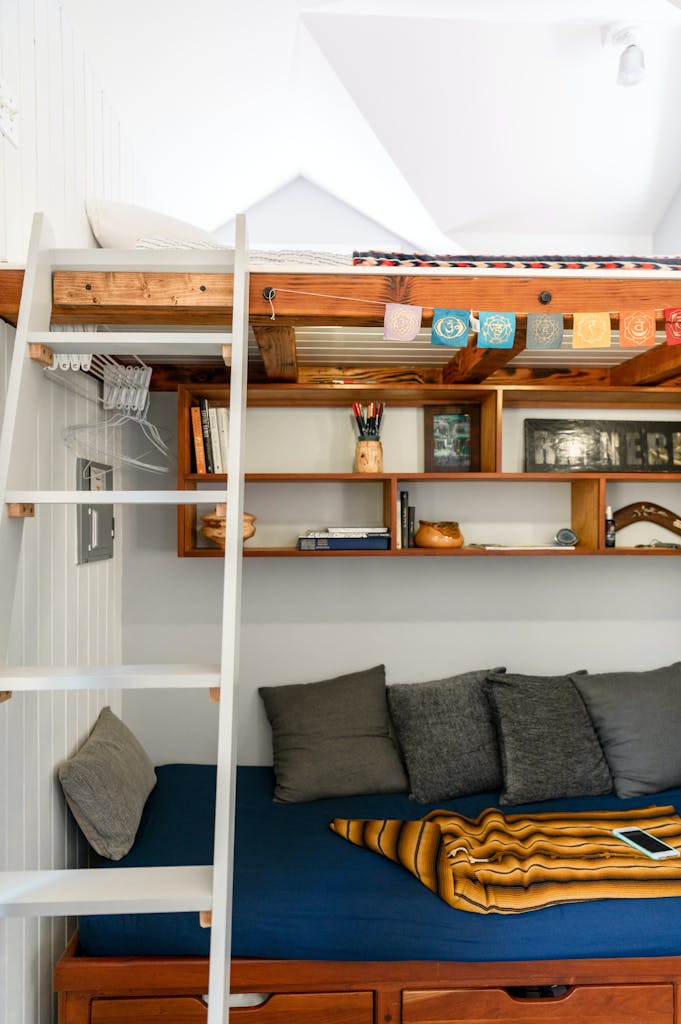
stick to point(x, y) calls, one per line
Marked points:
point(204, 497)
point(105, 891)
point(131, 343)
point(105, 677)
point(181, 261)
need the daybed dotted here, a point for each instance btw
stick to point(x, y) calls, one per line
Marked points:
point(326, 932)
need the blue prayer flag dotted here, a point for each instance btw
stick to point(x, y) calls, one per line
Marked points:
point(450, 327)
point(497, 330)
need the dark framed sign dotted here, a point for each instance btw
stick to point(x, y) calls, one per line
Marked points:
point(602, 446)
point(451, 438)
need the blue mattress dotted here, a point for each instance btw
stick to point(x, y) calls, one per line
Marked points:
point(301, 892)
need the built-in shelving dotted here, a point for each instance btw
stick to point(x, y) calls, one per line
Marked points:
point(585, 498)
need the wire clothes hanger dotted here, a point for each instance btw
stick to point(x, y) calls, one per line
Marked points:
point(125, 396)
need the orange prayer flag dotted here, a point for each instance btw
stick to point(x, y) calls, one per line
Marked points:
point(591, 330)
point(637, 329)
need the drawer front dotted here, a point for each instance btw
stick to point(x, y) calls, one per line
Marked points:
point(159, 1010)
point(287, 1008)
point(595, 1004)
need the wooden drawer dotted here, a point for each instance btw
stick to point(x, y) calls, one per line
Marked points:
point(597, 1004)
point(288, 1008)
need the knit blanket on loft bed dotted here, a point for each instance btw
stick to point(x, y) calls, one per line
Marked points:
point(507, 864)
point(371, 258)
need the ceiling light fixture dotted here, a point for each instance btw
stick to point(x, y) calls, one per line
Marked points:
point(632, 68)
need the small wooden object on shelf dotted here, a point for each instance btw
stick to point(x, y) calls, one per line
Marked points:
point(438, 535)
point(369, 457)
point(215, 525)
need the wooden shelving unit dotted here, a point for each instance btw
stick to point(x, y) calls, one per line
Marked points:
point(588, 491)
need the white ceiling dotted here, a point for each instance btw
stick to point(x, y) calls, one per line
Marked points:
point(484, 125)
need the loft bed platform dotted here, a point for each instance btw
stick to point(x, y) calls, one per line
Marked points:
point(314, 341)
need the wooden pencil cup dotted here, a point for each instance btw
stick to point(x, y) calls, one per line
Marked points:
point(369, 457)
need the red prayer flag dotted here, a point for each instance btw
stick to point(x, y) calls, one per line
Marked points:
point(672, 323)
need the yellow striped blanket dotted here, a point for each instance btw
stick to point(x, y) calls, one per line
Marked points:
point(506, 864)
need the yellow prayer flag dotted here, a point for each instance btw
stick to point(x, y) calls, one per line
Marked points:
point(591, 330)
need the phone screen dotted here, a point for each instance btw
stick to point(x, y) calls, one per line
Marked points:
point(647, 842)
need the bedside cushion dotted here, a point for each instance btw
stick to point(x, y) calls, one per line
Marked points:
point(332, 738)
point(549, 747)
point(638, 719)
point(106, 785)
point(447, 735)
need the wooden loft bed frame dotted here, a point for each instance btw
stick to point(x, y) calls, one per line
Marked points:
point(154, 989)
point(307, 299)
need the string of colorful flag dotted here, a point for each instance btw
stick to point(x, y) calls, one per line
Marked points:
point(454, 327)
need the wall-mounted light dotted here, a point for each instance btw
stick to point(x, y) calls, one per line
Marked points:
point(627, 39)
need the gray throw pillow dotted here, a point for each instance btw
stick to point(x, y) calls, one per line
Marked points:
point(332, 738)
point(549, 748)
point(106, 785)
point(447, 735)
point(638, 719)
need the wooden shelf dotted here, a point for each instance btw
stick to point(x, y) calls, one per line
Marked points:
point(587, 490)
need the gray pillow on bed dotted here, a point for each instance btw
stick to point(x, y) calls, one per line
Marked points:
point(332, 738)
point(638, 720)
point(447, 735)
point(549, 747)
point(106, 785)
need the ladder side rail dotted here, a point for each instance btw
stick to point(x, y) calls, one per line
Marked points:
point(19, 422)
point(223, 854)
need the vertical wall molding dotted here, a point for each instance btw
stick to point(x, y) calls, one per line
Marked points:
point(71, 146)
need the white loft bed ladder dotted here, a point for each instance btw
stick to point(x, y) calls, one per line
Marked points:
point(127, 890)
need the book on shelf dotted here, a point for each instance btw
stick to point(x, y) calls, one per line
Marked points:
point(411, 525)
point(404, 519)
point(197, 434)
point(205, 426)
point(223, 432)
point(326, 542)
point(215, 439)
point(342, 531)
point(524, 547)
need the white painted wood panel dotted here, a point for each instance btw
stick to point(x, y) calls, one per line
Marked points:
point(71, 146)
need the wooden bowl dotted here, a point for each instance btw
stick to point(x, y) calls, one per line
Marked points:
point(215, 525)
point(438, 535)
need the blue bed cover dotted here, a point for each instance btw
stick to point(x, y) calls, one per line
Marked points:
point(301, 892)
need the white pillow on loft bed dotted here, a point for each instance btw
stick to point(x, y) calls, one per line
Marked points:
point(124, 226)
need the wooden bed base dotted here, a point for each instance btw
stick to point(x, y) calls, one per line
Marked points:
point(169, 990)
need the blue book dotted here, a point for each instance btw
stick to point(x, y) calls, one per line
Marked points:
point(372, 542)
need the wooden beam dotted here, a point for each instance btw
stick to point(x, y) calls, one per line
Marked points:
point(214, 694)
point(5, 695)
point(369, 375)
point(205, 918)
point(11, 283)
point(278, 350)
point(130, 297)
point(40, 353)
point(22, 510)
point(474, 365)
point(573, 376)
point(227, 355)
point(653, 366)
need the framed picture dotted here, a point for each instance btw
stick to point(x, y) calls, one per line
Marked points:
point(597, 446)
point(451, 438)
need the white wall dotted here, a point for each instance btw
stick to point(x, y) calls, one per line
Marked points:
point(70, 147)
point(423, 617)
point(667, 237)
point(70, 142)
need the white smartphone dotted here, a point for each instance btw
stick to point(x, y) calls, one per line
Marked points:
point(646, 843)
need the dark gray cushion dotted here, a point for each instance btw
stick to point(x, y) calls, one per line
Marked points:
point(638, 719)
point(332, 738)
point(549, 748)
point(447, 736)
point(106, 785)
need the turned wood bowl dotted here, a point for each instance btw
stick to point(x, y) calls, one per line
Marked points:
point(215, 525)
point(438, 535)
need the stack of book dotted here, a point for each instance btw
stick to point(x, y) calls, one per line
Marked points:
point(346, 538)
point(210, 430)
